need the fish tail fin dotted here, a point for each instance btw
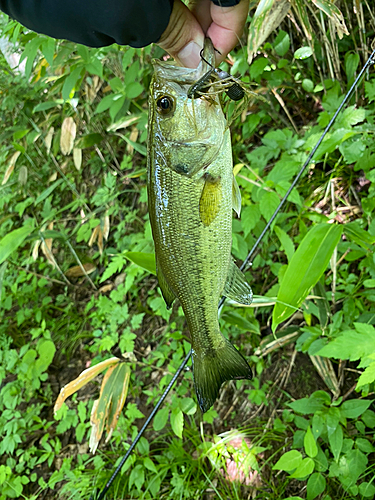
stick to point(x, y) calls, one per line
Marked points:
point(211, 369)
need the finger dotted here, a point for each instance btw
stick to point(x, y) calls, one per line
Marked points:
point(227, 27)
point(184, 38)
point(202, 11)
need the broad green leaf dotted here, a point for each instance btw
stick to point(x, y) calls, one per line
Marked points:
point(10, 242)
point(368, 376)
point(149, 464)
point(304, 469)
point(309, 444)
point(160, 419)
point(177, 422)
point(316, 484)
point(351, 344)
point(303, 53)
point(44, 106)
point(286, 241)
point(281, 43)
point(235, 319)
point(335, 441)
point(317, 401)
point(143, 259)
point(367, 489)
point(354, 407)
point(306, 267)
point(3, 268)
point(268, 204)
point(289, 461)
point(355, 233)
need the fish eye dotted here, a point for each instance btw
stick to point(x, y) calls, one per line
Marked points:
point(165, 104)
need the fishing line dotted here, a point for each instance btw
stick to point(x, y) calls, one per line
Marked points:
point(369, 62)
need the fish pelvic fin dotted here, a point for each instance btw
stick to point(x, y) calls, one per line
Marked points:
point(211, 369)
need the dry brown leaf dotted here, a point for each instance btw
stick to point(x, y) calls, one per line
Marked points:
point(47, 248)
point(133, 137)
point(100, 240)
point(77, 271)
point(48, 139)
point(77, 158)
point(93, 236)
point(35, 251)
point(52, 177)
point(93, 89)
point(106, 227)
point(106, 288)
point(12, 164)
point(68, 134)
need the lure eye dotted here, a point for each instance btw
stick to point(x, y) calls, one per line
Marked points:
point(165, 104)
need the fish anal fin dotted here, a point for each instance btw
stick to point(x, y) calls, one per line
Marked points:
point(213, 368)
point(166, 290)
point(236, 197)
point(236, 287)
point(209, 203)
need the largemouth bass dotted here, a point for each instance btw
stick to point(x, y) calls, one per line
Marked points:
point(191, 191)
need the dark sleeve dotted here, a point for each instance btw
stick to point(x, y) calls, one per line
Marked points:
point(95, 23)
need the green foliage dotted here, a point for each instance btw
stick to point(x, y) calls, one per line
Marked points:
point(76, 266)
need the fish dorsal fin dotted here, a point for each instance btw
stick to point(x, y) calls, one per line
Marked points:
point(236, 287)
point(236, 197)
point(166, 290)
point(209, 204)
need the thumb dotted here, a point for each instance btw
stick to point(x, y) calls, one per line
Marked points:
point(184, 38)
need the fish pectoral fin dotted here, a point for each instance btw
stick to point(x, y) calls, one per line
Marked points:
point(166, 290)
point(236, 287)
point(209, 204)
point(212, 368)
point(236, 197)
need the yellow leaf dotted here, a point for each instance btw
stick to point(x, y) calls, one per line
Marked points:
point(85, 377)
point(48, 139)
point(68, 134)
point(12, 164)
point(77, 158)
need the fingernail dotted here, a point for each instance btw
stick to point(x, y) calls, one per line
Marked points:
point(189, 56)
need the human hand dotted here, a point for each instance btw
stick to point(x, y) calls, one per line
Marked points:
point(184, 37)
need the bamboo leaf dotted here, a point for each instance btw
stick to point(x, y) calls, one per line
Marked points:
point(306, 267)
point(13, 240)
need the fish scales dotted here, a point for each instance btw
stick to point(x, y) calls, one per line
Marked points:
point(190, 190)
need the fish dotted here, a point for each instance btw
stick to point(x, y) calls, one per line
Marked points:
point(191, 193)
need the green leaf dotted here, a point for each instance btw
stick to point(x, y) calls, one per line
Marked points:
point(47, 192)
point(149, 464)
point(281, 43)
point(88, 140)
point(161, 418)
point(286, 241)
point(303, 53)
point(177, 422)
point(268, 204)
point(316, 402)
point(355, 233)
point(354, 407)
point(316, 484)
point(335, 440)
point(367, 489)
point(309, 444)
point(43, 106)
point(351, 344)
point(143, 259)
point(13, 240)
point(289, 461)
point(306, 267)
point(304, 469)
point(368, 376)
point(71, 81)
point(133, 90)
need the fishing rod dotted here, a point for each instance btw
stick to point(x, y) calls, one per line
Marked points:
point(369, 62)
